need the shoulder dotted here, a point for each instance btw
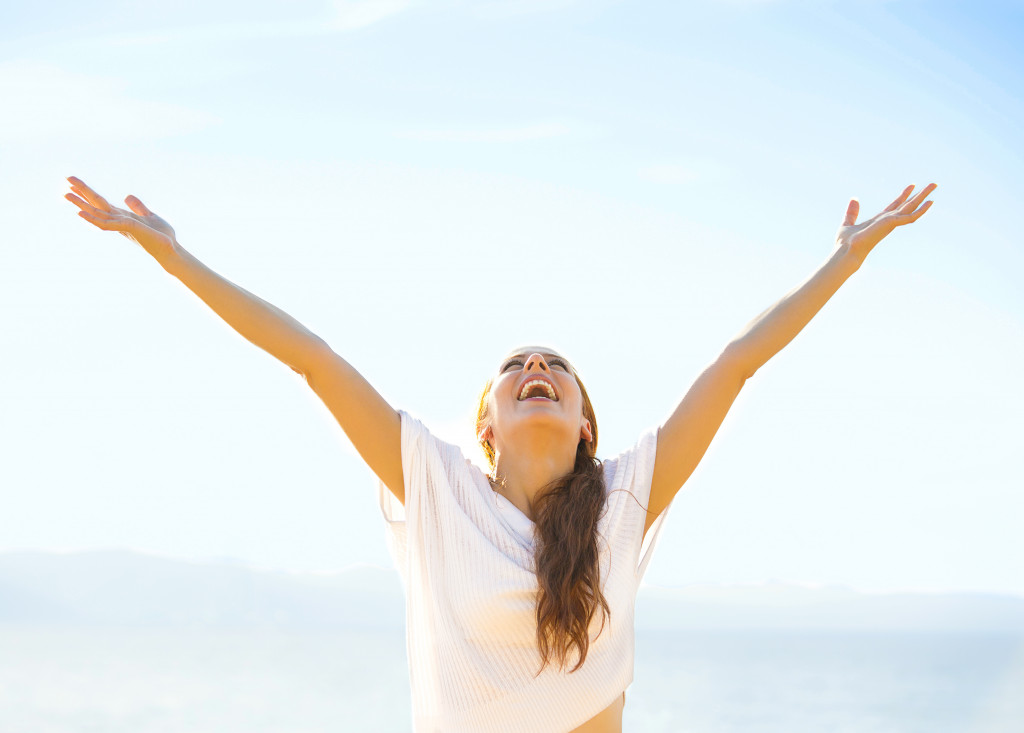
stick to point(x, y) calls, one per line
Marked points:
point(431, 454)
point(634, 465)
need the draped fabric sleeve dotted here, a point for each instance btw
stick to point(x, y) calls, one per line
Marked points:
point(426, 537)
point(628, 478)
point(430, 466)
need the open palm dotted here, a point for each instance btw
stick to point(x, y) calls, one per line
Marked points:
point(862, 238)
point(137, 222)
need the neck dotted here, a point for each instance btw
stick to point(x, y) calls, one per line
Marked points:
point(522, 474)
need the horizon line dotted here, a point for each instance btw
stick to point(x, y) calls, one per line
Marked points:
point(231, 561)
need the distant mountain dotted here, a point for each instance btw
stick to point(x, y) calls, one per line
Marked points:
point(785, 606)
point(122, 588)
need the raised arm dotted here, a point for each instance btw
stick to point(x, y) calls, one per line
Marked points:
point(372, 425)
point(686, 435)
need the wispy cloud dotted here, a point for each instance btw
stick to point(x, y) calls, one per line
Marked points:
point(44, 101)
point(352, 14)
point(668, 173)
point(522, 133)
point(343, 16)
point(501, 9)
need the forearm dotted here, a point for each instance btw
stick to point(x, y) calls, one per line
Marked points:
point(767, 334)
point(258, 321)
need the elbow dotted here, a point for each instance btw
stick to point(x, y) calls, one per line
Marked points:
point(311, 359)
point(735, 359)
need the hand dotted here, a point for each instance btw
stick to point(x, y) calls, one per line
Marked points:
point(862, 238)
point(140, 224)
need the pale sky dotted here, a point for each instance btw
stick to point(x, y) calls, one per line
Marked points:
point(427, 185)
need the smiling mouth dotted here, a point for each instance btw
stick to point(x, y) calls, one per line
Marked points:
point(538, 389)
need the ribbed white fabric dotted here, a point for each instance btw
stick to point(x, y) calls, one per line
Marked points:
point(465, 556)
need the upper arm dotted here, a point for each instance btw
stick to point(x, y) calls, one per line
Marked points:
point(373, 426)
point(686, 435)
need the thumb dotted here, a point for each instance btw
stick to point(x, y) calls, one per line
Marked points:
point(137, 206)
point(851, 213)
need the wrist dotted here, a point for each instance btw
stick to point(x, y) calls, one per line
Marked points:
point(850, 257)
point(170, 256)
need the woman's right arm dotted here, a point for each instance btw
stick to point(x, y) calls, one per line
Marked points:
point(372, 425)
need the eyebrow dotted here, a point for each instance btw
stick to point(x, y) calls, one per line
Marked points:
point(546, 355)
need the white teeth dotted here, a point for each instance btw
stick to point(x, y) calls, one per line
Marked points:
point(541, 382)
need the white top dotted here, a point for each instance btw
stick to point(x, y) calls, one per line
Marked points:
point(465, 555)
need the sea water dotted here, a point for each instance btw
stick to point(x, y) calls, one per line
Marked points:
point(159, 681)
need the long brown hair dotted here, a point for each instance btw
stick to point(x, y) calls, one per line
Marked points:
point(567, 560)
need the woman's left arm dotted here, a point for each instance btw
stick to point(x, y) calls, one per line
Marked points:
point(686, 435)
point(767, 334)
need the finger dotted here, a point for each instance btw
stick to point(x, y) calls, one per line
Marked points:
point(899, 199)
point(103, 222)
point(136, 205)
point(851, 213)
point(916, 201)
point(907, 218)
point(80, 192)
point(917, 214)
point(92, 197)
point(87, 193)
point(84, 205)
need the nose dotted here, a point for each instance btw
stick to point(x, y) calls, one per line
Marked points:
point(536, 363)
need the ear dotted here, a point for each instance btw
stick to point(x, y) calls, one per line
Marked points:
point(488, 435)
point(586, 433)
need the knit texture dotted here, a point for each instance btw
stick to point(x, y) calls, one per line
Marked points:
point(465, 554)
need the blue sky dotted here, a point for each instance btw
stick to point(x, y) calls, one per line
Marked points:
point(426, 185)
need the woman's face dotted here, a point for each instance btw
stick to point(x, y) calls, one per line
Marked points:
point(533, 389)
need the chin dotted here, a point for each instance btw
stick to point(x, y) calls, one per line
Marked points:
point(546, 421)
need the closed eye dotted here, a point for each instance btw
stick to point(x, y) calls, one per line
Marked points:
point(554, 361)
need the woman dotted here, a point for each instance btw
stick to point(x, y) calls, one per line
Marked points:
point(520, 582)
